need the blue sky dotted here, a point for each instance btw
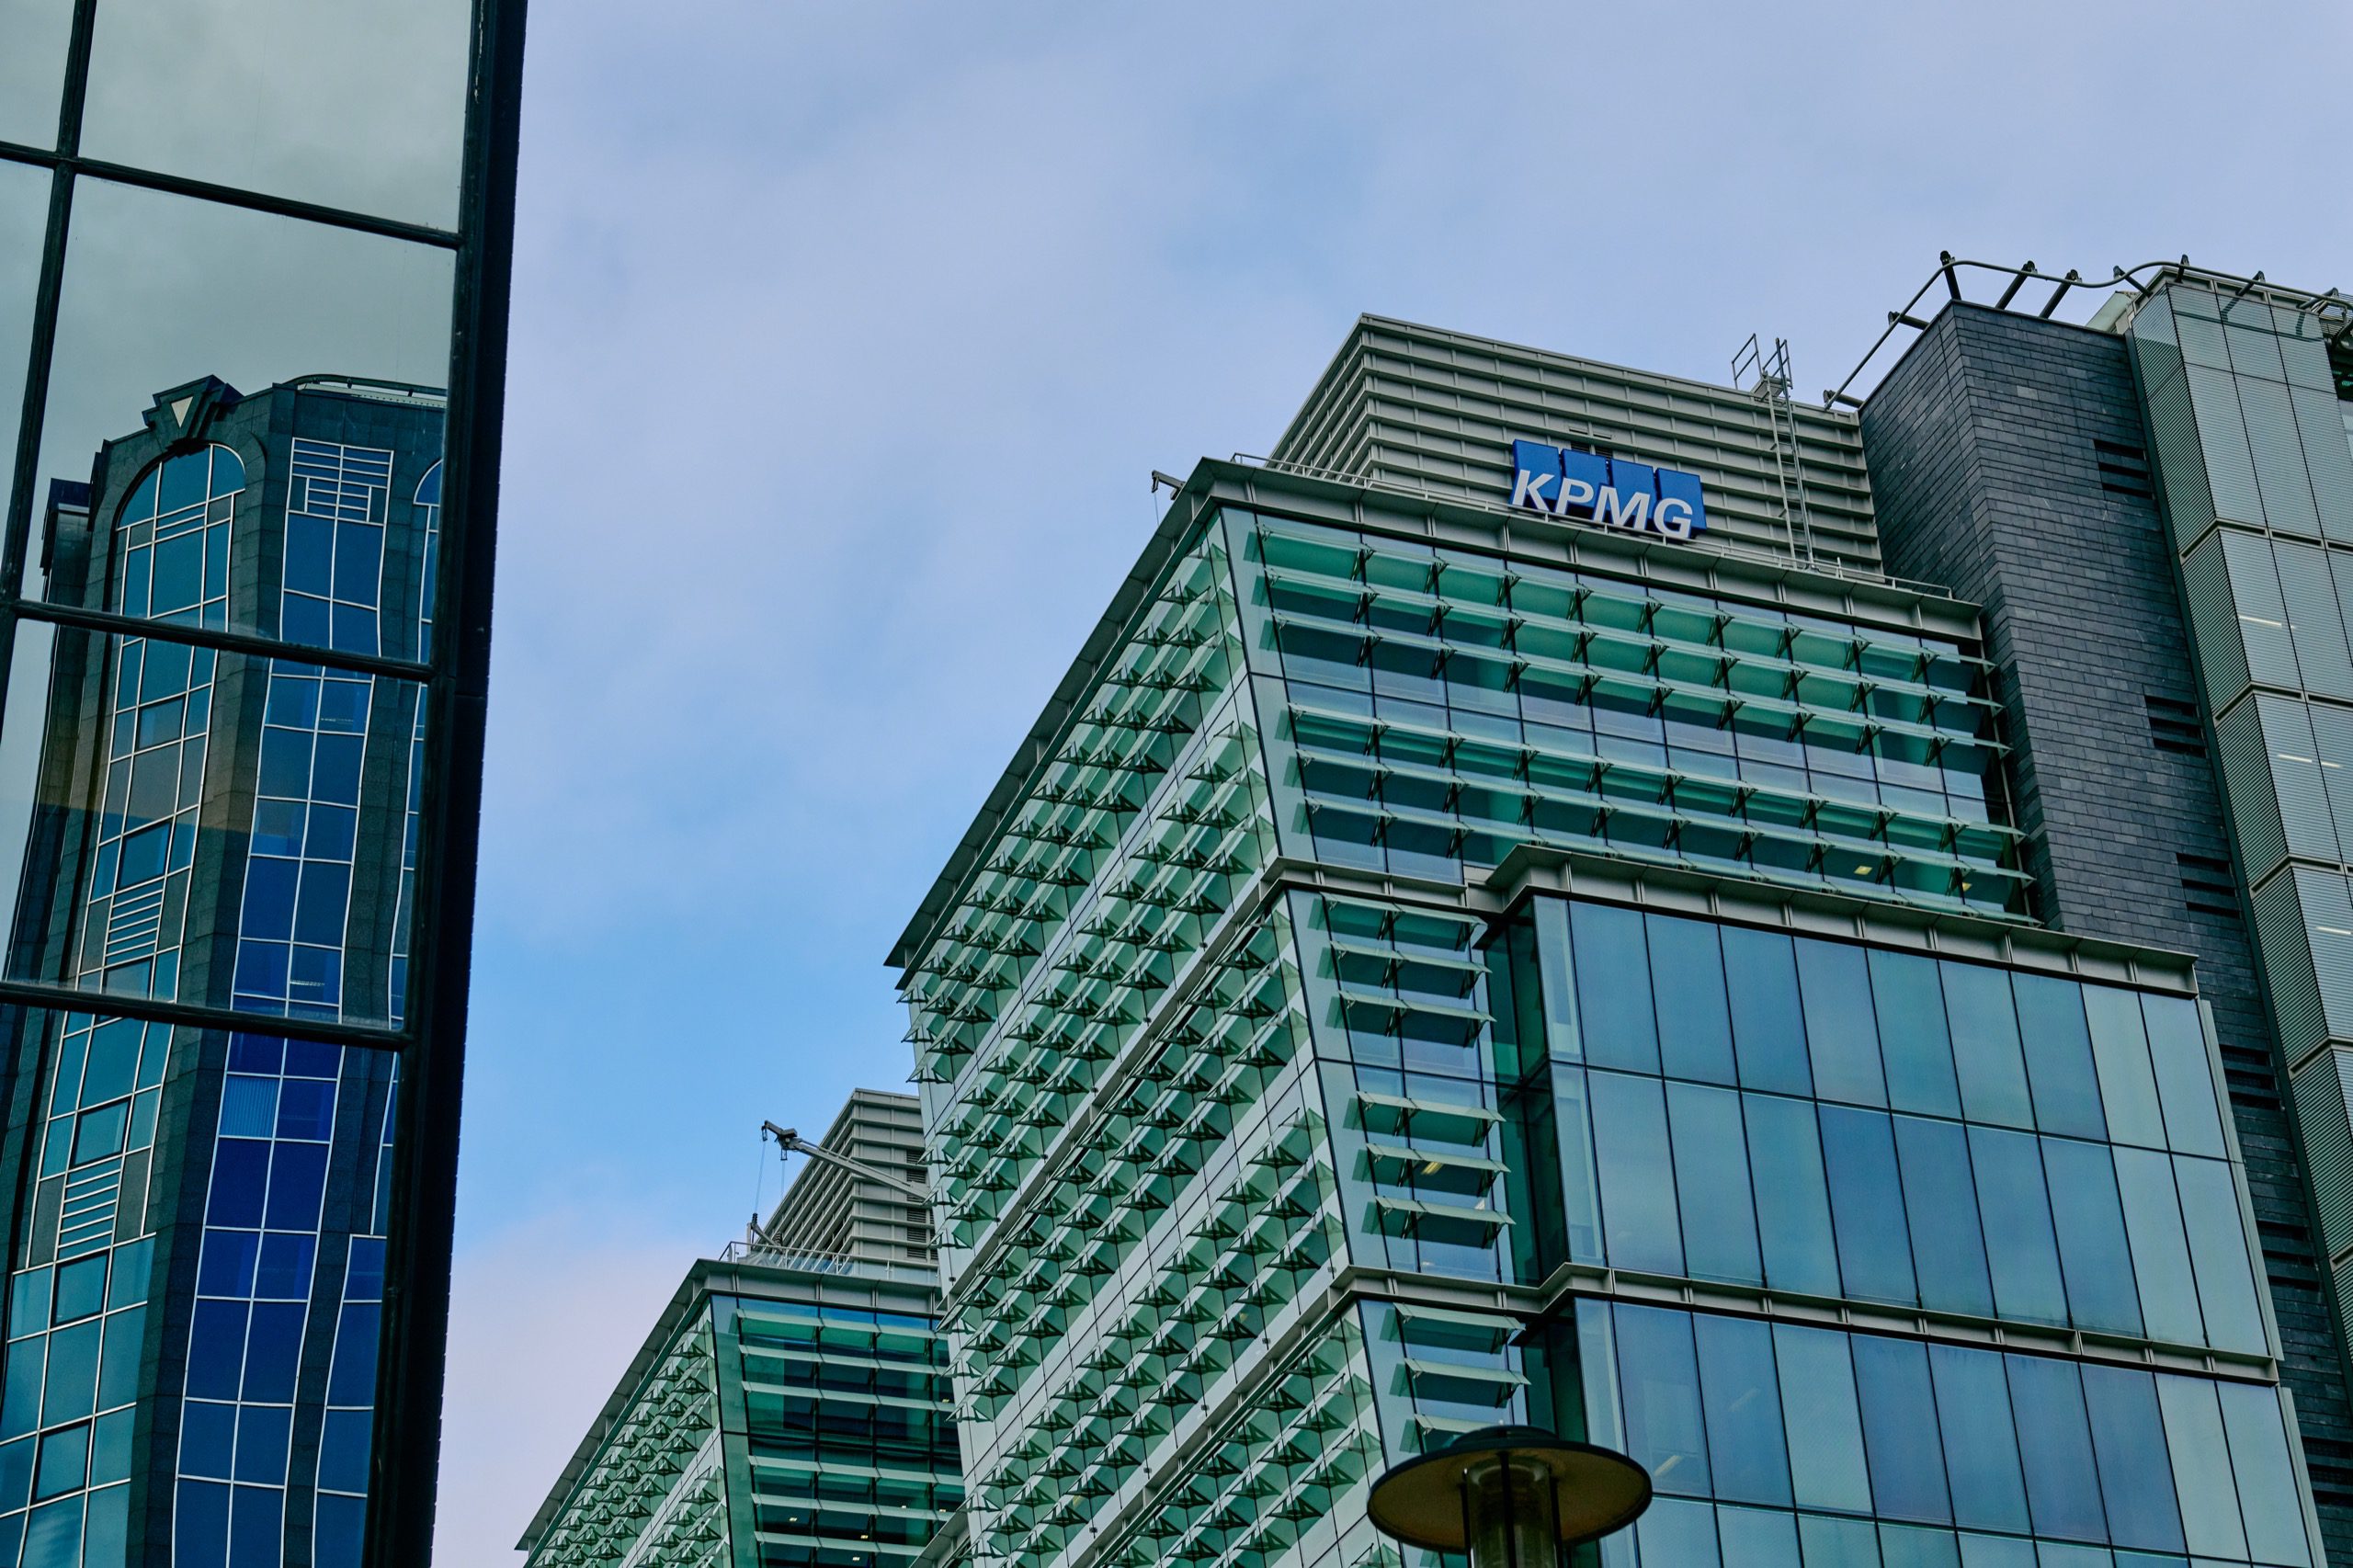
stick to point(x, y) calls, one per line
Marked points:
point(845, 337)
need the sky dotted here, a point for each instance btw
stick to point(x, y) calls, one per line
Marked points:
point(846, 337)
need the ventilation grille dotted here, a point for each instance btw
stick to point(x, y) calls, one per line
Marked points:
point(2207, 886)
point(2123, 471)
point(2173, 726)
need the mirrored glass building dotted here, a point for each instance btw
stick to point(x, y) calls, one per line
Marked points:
point(249, 438)
point(1751, 983)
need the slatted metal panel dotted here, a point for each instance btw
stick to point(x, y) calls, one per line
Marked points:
point(2214, 622)
point(2288, 965)
point(2238, 736)
point(1426, 409)
point(2323, 1101)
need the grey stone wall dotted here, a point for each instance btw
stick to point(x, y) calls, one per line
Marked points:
point(2008, 463)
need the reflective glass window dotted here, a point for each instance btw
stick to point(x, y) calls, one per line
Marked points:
point(1793, 1196)
point(2160, 1251)
point(1984, 1032)
point(2128, 1085)
point(2055, 1447)
point(2273, 1511)
point(2218, 1253)
point(2021, 1249)
point(1826, 1464)
point(1675, 1531)
point(2201, 1468)
point(1838, 1543)
point(1900, 1430)
point(1768, 1021)
point(1613, 986)
point(1748, 1453)
point(1980, 1440)
point(1758, 1538)
point(1842, 1037)
point(1638, 1203)
point(1711, 1183)
point(1866, 1205)
point(1694, 1023)
point(2058, 1056)
point(2093, 1252)
point(1918, 1054)
point(1665, 1431)
point(2184, 1077)
point(1940, 1201)
point(2135, 1472)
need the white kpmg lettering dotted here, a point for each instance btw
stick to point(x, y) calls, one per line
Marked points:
point(1575, 493)
point(1617, 511)
point(1529, 489)
point(1673, 518)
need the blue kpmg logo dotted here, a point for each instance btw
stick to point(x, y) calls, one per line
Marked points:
point(1613, 492)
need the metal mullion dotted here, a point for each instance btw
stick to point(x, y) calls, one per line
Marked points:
point(113, 1004)
point(222, 639)
point(230, 196)
point(405, 1455)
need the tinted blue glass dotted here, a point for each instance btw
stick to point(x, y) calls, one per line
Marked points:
point(2020, 1248)
point(1909, 1546)
point(17, 1473)
point(2218, 1253)
point(1842, 1039)
point(2093, 1252)
point(298, 1179)
point(2059, 1056)
point(1838, 1543)
point(110, 1448)
point(240, 1171)
point(340, 1523)
point(2135, 1474)
point(1866, 1205)
point(2201, 1467)
point(228, 1265)
point(1613, 986)
point(2055, 1446)
point(2160, 1252)
point(1711, 1183)
point(20, 1405)
point(1767, 1023)
point(256, 1522)
point(200, 1526)
point(1793, 1196)
point(2185, 1074)
point(269, 897)
point(1580, 1201)
point(342, 1450)
point(319, 908)
point(2274, 1513)
point(110, 1527)
point(262, 1431)
point(2127, 1087)
point(1980, 1442)
point(1758, 1538)
point(81, 1288)
point(1677, 1533)
point(272, 1350)
point(53, 1535)
point(1749, 1455)
point(353, 1378)
point(285, 1270)
point(64, 1462)
point(1995, 1551)
point(1637, 1177)
point(216, 1349)
point(1900, 1430)
point(1694, 1024)
point(305, 1108)
point(1659, 1381)
point(208, 1437)
point(1911, 1007)
point(119, 1366)
point(114, 1057)
point(1826, 1465)
point(1940, 1201)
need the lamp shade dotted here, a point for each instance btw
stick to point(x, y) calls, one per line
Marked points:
point(1430, 1501)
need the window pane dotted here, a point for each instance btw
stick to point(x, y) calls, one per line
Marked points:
point(1793, 1196)
point(31, 70)
point(1985, 1045)
point(1940, 1202)
point(1678, 1532)
point(1637, 1178)
point(2218, 1253)
point(1842, 1039)
point(2135, 1476)
point(1694, 1027)
point(2058, 1056)
point(2160, 1252)
point(1613, 986)
point(1909, 1546)
point(371, 120)
point(213, 347)
point(1826, 1465)
point(1580, 1201)
point(1866, 1204)
point(1838, 1543)
point(1900, 1430)
point(1911, 1008)
point(1758, 1538)
point(2267, 1495)
point(2056, 1445)
point(1664, 1431)
point(2127, 1087)
point(1711, 1182)
point(1743, 1409)
point(24, 216)
point(2021, 1249)
point(2090, 1223)
point(2185, 1077)
point(1768, 1024)
point(1560, 1032)
point(1981, 1443)
point(2201, 1467)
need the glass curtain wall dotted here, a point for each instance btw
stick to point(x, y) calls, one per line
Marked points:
point(252, 279)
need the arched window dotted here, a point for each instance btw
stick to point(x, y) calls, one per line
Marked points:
point(172, 539)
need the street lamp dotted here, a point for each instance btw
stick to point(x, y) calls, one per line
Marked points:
point(1511, 1496)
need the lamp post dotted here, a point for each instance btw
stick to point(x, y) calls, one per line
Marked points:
point(1511, 1496)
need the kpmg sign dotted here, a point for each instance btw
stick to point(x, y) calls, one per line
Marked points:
point(1613, 492)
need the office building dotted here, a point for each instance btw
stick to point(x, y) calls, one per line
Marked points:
point(1577, 896)
point(245, 619)
point(790, 1407)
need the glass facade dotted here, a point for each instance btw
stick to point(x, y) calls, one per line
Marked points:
point(776, 1419)
point(1294, 1105)
point(2250, 414)
point(235, 836)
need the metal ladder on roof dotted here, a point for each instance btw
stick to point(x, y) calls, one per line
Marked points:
point(1765, 375)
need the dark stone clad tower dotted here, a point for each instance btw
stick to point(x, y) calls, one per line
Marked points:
point(2009, 463)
